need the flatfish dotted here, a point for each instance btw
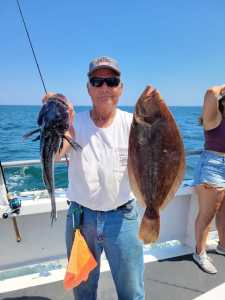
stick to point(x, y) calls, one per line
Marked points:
point(156, 160)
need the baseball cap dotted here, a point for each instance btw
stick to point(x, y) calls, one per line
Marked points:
point(103, 62)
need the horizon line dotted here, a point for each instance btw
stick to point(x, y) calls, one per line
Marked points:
point(85, 105)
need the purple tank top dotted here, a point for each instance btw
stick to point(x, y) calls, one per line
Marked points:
point(215, 138)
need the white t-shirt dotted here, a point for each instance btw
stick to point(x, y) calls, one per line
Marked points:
point(98, 177)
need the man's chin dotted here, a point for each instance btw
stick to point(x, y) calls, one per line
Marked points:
point(106, 106)
point(105, 100)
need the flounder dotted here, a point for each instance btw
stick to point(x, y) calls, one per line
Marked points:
point(156, 160)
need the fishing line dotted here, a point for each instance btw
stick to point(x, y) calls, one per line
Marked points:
point(28, 36)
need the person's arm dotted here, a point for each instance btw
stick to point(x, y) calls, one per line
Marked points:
point(211, 114)
point(69, 133)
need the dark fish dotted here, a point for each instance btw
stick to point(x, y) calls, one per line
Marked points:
point(156, 160)
point(53, 122)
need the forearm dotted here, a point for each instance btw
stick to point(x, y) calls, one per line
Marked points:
point(211, 112)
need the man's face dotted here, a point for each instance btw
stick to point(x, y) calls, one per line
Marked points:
point(104, 97)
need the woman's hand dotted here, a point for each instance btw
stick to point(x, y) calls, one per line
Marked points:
point(216, 91)
point(222, 91)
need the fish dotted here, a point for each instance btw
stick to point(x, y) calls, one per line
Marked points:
point(53, 122)
point(156, 160)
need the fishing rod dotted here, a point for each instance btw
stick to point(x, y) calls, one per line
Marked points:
point(33, 52)
point(14, 205)
point(32, 48)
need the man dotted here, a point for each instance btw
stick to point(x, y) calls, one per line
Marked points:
point(99, 186)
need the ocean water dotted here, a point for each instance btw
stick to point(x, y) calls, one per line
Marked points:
point(15, 121)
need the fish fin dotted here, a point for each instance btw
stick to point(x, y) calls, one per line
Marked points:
point(53, 217)
point(150, 225)
point(36, 139)
point(75, 145)
point(29, 134)
point(67, 160)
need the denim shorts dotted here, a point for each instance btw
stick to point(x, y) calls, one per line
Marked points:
point(210, 169)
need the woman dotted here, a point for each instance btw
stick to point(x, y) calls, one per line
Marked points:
point(209, 177)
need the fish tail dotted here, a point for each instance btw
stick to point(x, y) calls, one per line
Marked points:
point(53, 211)
point(53, 216)
point(150, 225)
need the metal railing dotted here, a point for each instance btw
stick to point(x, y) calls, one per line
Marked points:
point(22, 163)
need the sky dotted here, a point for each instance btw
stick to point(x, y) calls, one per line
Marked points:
point(177, 46)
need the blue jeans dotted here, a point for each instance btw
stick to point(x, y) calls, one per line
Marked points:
point(115, 232)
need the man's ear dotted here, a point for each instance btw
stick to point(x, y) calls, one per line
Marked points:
point(88, 88)
point(121, 88)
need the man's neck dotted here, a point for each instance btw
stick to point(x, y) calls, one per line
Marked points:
point(101, 119)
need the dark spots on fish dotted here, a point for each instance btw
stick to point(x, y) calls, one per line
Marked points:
point(142, 133)
point(151, 119)
point(148, 113)
point(151, 213)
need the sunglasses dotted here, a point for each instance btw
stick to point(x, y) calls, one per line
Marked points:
point(110, 81)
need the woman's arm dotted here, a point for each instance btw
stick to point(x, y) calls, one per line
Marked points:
point(211, 114)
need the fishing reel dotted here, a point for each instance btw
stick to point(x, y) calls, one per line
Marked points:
point(14, 207)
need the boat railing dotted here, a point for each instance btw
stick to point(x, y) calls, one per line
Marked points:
point(177, 224)
point(17, 164)
point(23, 163)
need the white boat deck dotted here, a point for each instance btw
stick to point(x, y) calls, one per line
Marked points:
point(168, 279)
point(34, 268)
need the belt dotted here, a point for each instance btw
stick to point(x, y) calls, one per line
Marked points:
point(124, 205)
point(217, 153)
point(119, 207)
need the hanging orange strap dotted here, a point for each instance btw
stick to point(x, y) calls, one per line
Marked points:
point(80, 264)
